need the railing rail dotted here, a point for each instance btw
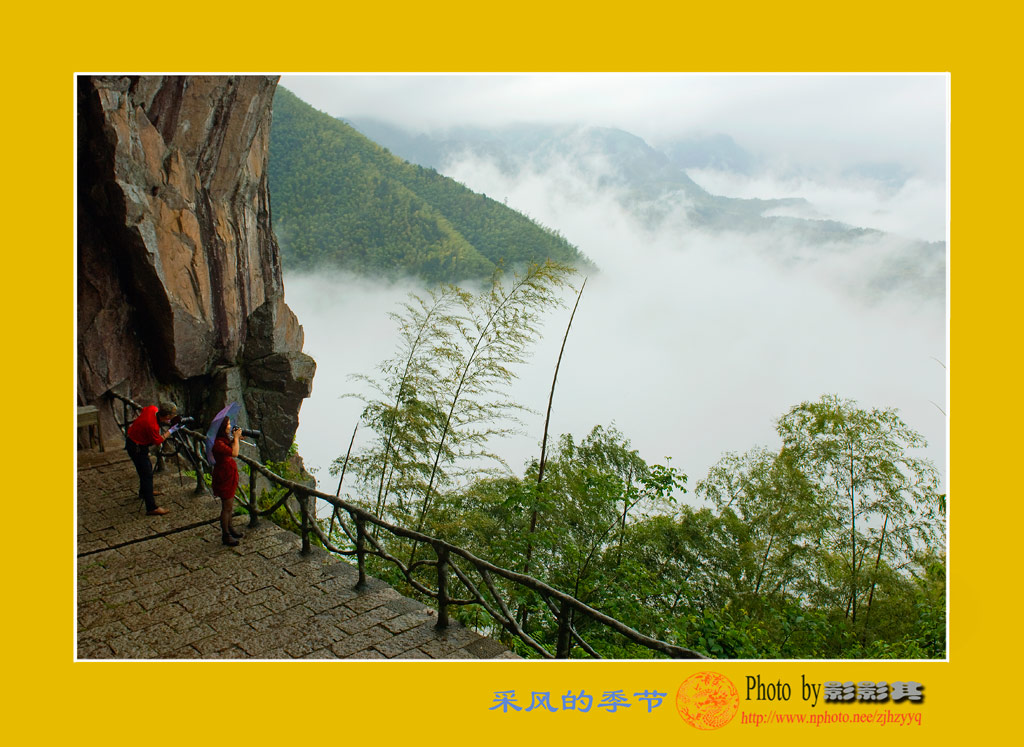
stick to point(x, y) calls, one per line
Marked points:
point(450, 560)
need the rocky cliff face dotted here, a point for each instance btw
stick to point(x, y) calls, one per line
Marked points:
point(180, 293)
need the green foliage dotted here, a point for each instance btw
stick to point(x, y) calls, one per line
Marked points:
point(762, 573)
point(406, 412)
point(781, 514)
point(875, 498)
point(440, 399)
point(340, 200)
point(789, 545)
point(591, 493)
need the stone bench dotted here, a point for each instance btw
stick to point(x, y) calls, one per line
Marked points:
point(89, 417)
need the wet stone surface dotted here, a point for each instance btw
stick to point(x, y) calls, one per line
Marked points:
point(184, 595)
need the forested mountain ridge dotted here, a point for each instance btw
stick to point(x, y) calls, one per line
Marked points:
point(342, 201)
point(653, 186)
point(611, 157)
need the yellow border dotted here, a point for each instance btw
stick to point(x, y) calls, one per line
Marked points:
point(188, 703)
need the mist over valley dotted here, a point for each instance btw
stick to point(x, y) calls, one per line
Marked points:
point(724, 293)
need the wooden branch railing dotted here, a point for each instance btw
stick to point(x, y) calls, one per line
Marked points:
point(448, 560)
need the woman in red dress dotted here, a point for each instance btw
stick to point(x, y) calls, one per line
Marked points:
point(225, 479)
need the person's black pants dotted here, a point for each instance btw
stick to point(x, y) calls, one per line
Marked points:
point(140, 457)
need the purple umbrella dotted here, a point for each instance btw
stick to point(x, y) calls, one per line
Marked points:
point(217, 425)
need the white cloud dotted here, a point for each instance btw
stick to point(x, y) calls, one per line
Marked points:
point(691, 343)
point(917, 208)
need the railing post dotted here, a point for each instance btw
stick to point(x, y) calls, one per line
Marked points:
point(361, 550)
point(254, 513)
point(303, 499)
point(564, 644)
point(200, 482)
point(442, 586)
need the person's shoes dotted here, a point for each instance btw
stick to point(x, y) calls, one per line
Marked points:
point(158, 492)
point(158, 511)
point(228, 540)
point(236, 533)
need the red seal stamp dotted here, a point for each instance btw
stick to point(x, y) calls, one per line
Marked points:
point(707, 700)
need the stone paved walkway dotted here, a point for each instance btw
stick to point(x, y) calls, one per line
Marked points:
point(184, 595)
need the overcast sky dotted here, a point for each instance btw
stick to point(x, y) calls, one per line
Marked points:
point(827, 119)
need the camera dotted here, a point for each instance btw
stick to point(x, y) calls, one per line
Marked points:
point(249, 433)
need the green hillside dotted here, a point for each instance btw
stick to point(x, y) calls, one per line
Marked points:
point(340, 200)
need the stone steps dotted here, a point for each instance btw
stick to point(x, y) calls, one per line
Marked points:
point(186, 596)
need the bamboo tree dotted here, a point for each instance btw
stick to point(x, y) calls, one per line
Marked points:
point(780, 508)
point(587, 482)
point(341, 479)
point(544, 439)
point(402, 414)
point(874, 580)
point(495, 333)
point(861, 459)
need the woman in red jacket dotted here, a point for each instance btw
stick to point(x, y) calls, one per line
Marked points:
point(225, 479)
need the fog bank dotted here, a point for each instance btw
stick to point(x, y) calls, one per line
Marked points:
point(692, 344)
